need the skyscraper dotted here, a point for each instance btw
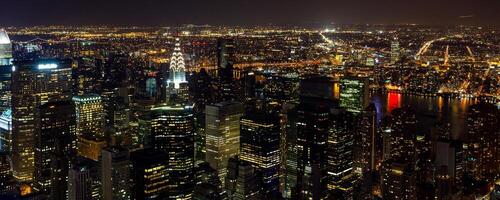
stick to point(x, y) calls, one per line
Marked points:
point(398, 180)
point(5, 71)
point(55, 147)
point(172, 131)
point(482, 137)
point(176, 83)
point(225, 53)
point(83, 180)
point(115, 174)
point(246, 184)
point(89, 115)
point(260, 147)
point(354, 94)
point(395, 52)
point(150, 174)
point(222, 134)
point(313, 124)
point(365, 143)
point(34, 83)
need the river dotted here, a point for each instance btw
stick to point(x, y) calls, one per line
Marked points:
point(429, 110)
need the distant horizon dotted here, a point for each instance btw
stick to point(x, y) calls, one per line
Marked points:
point(247, 13)
point(270, 25)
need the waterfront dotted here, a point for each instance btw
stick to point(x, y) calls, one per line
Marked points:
point(430, 110)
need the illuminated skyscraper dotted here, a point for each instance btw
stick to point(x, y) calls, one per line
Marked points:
point(34, 83)
point(339, 153)
point(89, 115)
point(172, 131)
point(222, 134)
point(176, 83)
point(365, 142)
point(354, 94)
point(89, 125)
point(115, 174)
point(260, 147)
point(55, 147)
point(395, 52)
point(5, 71)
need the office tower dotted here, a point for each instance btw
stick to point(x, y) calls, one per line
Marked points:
point(202, 96)
point(365, 142)
point(225, 54)
point(34, 83)
point(354, 93)
point(89, 125)
point(395, 52)
point(150, 174)
point(482, 137)
point(176, 83)
point(55, 147)
point(249, 85)
point(260, 147)
point(401, 135)
point(6, 131)
point(172, 131)
point(84, 181)
point(86, 76)
point(114, 85)
point(5, 71)
point(115, 174)
point(291, 154)
point(222, 134)
point(450, 155)
point(246, 184)
point(232, 176)
point(89, 115)
point(339, 153)
point(120, 130)
point(313, 124)
point(398, 180)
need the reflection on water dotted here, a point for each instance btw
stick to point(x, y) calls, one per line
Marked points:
point(429, 110)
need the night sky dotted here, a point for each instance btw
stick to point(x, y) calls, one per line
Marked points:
point(246, 12)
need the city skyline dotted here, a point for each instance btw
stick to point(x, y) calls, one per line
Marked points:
point(310, 107)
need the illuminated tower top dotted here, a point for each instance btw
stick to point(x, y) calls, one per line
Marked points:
point(177, 66)
point(4, 38)
point(5, 48)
